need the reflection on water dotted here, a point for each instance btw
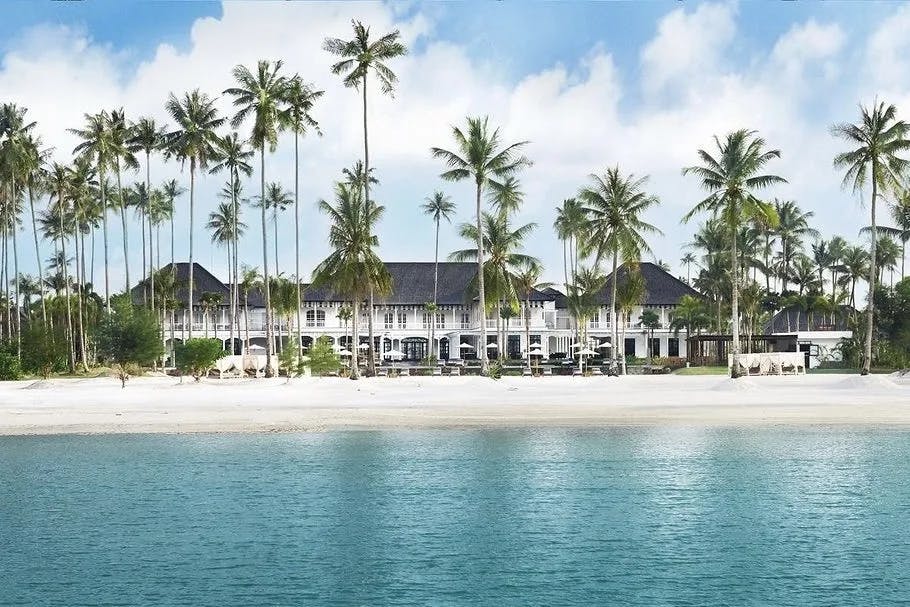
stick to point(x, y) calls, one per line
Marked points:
point(649, 516)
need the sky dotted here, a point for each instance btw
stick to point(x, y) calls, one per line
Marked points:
point(591, 85)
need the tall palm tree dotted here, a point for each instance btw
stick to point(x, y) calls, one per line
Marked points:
point(234, 156)
point(250, 279)
point(630, 293)
point(146, 137)
point(193, 141)
point(506, 197)
point(439, 207)
point(878, 141)
point(226, 230)
point(855, 263)
point(352, 268)
point(259, 96)
point(900, 216)
point(528, 280)
point(96, 146)
point(209, 302)
point(481, 156)
point(687, 260)
point(277, 199)
point(792, 226)
point(570, 225)
point(359, 57)
point(614, 204)
point(171, 191)
point(299, 99)
point(732, 180)
point(122, 157)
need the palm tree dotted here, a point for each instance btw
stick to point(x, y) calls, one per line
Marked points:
point(823, 258)
point(250, 279)
point(506, 197)
point(879, 138)
point(900, 215)
point(171, 191)
point(122, 157)
point(233, 155)
point(259, 96)
point(792, 226)
point(689, 315)
point(299, 99)
point(855, 265)
point(732, 178)
point(209, 302)
point(147, 137)
point(631, 292)
point(353, 268)
point(615, 204)
point(480, 156)
point(583, 301)
point(570, 226)
point(359, 57)
point(888, 254)
point(194, 140)
point(527, 281)
point(97, 146)
point(277, 199)
point(439, 207)
point(226, 230)
point(687, 260)
point(837, 247)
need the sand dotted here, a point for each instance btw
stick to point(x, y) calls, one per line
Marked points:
point(164, 405)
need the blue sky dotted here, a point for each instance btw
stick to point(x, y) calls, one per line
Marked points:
point(591, 84)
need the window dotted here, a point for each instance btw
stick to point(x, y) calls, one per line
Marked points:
point(311, 318)
point(402, 320)
point(426, 320)
point(673, 346)
point(465, 320)
point(630, 346)
point(594, 322)
point(320, 318)
point(440, 320)
point(389, 320)
point(654, 346)
point(316, 318)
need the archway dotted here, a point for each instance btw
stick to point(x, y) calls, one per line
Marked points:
point(414, 348)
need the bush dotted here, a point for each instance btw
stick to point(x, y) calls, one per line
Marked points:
point(10, 369)
point(322, 358)
point(197, 356)
point(43, 351)
point(130, 337)
point(495, 370)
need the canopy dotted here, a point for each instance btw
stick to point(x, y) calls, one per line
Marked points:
point(465, 346)
point(492, 346)
point(605, 346)
point(393, 354)
point(588, 352)
point(344, 352)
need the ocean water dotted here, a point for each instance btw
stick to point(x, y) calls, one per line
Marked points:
point(627, 516)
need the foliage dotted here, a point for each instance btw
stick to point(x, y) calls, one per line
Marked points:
point(43, 351)
point(10, 369)
point(198, 355)
point(322, 358)
point(130, 336)
point(495, 371)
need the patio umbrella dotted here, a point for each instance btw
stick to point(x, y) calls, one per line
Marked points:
point(536, 352)
point(605, 346)
point(492, 346)
point(465, 346)
point(344, 352)
point(363, 347)
point(588, 352)
point(393, 354)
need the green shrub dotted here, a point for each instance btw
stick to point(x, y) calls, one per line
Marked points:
point(322, 358)
point(495, 370)
point(43, 351)
point(10, 369)
point(197, 356)
point(130, 337)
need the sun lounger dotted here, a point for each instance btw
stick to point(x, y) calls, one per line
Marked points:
point(382, 373)
point(576, 372)
point(454, 371)
point(596, 371)
point(527, 372)
point(548, 370)
point(437, 371)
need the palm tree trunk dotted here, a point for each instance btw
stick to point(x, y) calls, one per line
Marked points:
point(66, 286)
point(297, 243)
point(4, 283)
point(16, 282)
point(527, 315)
point(107, 277)
point(371, 365)
point(481, 295)
point(433, 351)
point(82, 351)
point(189, 301)
point(355, 365)
point(269, 332)
point(870, 310)
point(145, 286)
point(734, 304)
point(613, 318)
point(148, 192)
point(126, 259)
point(31, 204)
point(246, 320)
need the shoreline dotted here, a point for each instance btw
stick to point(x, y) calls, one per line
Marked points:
point(163, 405)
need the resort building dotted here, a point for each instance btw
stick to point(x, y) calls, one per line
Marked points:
point(816, 334)
point(402, 322)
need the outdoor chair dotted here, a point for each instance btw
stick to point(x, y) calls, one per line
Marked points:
point(576, 372)
point(437, 371)
point(548, 370)
point(454, 371)
point(596, 371)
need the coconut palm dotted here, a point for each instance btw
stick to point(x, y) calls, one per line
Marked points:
point(792, 226)
point(233, 156)
point(583, 300)
point(209, 302)
point(277, 200)
point(439, 207)
point(631, 291)
point(299, 100)
point(689, 315)
point(481, 156)
point(732, 180)
point(259, 96)
point(855, 264)
point(171, 191)
point(226, 228)
point(614, 204)
point(506, 197)
point(527, 280)
point(687, 260)
point(96, 146)
point(193, 141)
point(570, 226)
point(352, 268)
point(360, 57)
point(147, 137)
point(121, 157)
point(887, 257)
point(879, 139)
point(900, 216)
point(250, 279)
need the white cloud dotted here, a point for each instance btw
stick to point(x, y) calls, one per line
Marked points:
point(577, 115)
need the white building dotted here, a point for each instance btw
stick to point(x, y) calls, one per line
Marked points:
point(817, 335)
point(402, 323)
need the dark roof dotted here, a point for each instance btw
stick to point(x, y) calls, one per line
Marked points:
point(556, 295)
point(203, 282)
point(663, 289)
point(798, 319)
point(412, 284)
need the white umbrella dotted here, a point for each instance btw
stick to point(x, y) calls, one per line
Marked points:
point(393, 354)
point(536, 352)
point(344, 352)
point(575, 345)
point(492, 346)
point(588, 352)
point(465, 346)
point(605, 346)
point(255, 347)
point(363, 347)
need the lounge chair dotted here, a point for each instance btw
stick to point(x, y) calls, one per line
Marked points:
point(383, 372)
point(454, 371)
point(596, 371)
point(527, 372)
point(576, 372)
point(437, 371)
point(548, 370)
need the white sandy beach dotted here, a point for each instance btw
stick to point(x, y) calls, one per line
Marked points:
point(162, 404)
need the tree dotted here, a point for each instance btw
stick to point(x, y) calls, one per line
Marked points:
point(650, 321)
point(299, 100)
point(878, 141)
point(194, 140)
point(352, 268)
point(690, 315)
point(360, 57)
point(171, 191)
point(130, 336)
point(43, 351)
point(570, 225)
point(632, 291)
point(732, 180)
point(259, 96)
point(277, 199)
point(147, 137)
point(792, 226)
point(900, 216)
point(687, 260)
point(322, 358)
point(481, 156)
point(439, 207)
point(614, 204)
point(855, 265)
point(197, 356)
point(209, 302)
point(250, 279)
point(528, 280)
point(122, 157)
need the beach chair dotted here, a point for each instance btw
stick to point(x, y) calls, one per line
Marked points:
point(527, 372)
point(576, 372)
point(596, 371)
point(437, 371)
point(548, 370)
point(454, 371)
point(383, 372)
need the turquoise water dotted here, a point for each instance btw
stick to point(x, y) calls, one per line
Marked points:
point(523, 517)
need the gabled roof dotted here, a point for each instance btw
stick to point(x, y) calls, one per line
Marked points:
point(793, 319)
point(662, 288)
point(203, 282)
